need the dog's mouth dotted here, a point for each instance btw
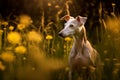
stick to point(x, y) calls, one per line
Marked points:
point(64, 36)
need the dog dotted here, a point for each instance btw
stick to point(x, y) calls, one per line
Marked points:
point(83, 58)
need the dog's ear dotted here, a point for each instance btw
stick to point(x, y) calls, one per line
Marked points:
point(81, 19)
point(66, 18)
point(78, 18)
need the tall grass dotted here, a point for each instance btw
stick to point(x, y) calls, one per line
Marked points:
point(28, 53)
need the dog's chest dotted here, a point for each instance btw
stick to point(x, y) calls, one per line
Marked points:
point(79, 60)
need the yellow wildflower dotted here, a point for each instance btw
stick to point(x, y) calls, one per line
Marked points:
point(11, 28)
point(115, 59)
point(68, 39)
point(64, 46)
point(105, 51)
point(107, 59)
point(49, 37)
point(109, 36)
point(117, 64)
point(20, 49)
point(33, 68)
point(2, 67)
point(1, 31)
point(7, 56)
point(70, 46)
point(34, 36)
point(25, 19)
point(24, 58)
point(14, 37)
point(115, 71)
point(5, 23)
point(49, 4)
point(21, 26)
point(113, 4)
point(84, 67)
point(92, 68)
point(57, 6)
point(67, 69)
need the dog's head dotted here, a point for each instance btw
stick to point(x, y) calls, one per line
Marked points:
point(72, 25)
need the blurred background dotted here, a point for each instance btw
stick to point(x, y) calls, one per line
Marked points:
point(30, 48)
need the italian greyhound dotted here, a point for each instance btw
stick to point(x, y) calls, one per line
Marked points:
point(83, 58)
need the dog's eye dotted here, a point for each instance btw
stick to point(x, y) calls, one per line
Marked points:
point(71, 25)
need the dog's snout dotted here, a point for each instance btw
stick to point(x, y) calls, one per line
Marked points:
point(60, 34)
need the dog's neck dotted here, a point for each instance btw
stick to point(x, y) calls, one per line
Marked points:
point(80, 39)
point(80, 34)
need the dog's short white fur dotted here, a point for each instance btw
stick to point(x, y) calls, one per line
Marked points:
point(82, 55)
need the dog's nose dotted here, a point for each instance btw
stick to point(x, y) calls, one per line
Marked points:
point(60, 34)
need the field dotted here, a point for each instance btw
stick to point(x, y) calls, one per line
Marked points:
point(30, 48)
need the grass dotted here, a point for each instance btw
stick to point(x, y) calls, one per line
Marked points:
point(28, 52)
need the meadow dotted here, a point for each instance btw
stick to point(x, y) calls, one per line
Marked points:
point(32, 50)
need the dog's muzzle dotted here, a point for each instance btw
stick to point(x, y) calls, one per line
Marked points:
point(61, 35)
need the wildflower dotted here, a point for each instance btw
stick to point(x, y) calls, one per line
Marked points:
point(21, 26)
point(67, 69)
point(68, 39)
point(64, 46)
point(115, 59)
point(34, 36)
point(117, 64)
point(11, 28)
point(59, 12)
point(92, 68)
point(25, 19)
point(14, 37)
point(20, 49)
point(57, 6)
point(107, 59)
point(33, 68)
point(4, 28)
point(49, 37)
point(2, 67)
point(108, 36)
point(24, 58)
point(105, 51)
point(5, 23)
point(113, 4)
point(70, 46)
point(1, 31)
point(7, 56)
point(49, 4)
point(116, 71)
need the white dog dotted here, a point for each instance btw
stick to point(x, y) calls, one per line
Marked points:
point(83, 58)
